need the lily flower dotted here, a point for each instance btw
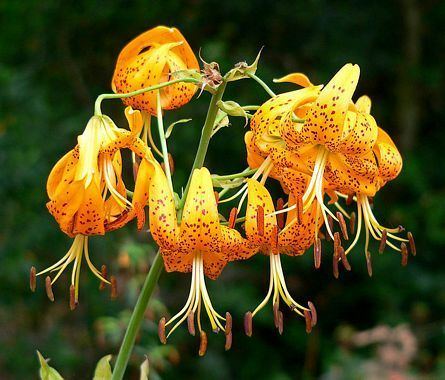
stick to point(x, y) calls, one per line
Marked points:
point(198, 244)
point(271, 236)
point(151, 59)
point(87, 194)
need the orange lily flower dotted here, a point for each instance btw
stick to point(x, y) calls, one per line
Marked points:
point(150, 59)
point(87, 193)
point(264, 230)
point(197, 244)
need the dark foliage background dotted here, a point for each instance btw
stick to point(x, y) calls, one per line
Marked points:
point(57, 56)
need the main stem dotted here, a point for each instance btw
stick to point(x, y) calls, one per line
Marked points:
point(136, 318)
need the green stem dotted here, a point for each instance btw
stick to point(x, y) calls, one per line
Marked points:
point(136, 318)
point(244, 173)
point(262, 84)
point(97, 110)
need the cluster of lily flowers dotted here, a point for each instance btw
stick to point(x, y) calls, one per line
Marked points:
point(315, 141)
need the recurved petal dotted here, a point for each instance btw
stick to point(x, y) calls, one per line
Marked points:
point(234, 246)
point(63, 171)
point(388, 157)
point(299, 79)
point(135, 121)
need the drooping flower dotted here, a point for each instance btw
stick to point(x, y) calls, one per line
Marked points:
point(197, 244)
point(266, 229)
point(87, 193)
point(150, 59)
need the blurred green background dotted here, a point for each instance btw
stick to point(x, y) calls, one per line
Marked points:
point(57, 56)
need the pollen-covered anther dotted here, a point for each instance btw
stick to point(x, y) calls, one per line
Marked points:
point(275, 239)
point(191, 323)
point(260, 220)
point(232, 217)
point(352, 223)
point(228, 344)
point(104, 274)
point(228, 326)
point(317, 253)
point(248, 323)
point(32, 279)
point(49, 289)
point(202, 343)
point(412, 244)
point(313, 311)
point(369, 263)
point(161, 331)
point(383, 240)
point(140, 215)
point(307, 317)
point(342, 223)
point(280, 216)
point(404, 252)
point(344, 259)
point(73, 301)
point(113, 293)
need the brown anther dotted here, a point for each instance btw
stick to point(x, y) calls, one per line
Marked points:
point(307, 317)
point(228, 344)
point(32, 279)
point(104, 273)
point(317, 253)
point(352, 223)
point(232, 217)
point(412, 244)
point(280, 217)
point(73, 301)
point(161, 330)
point(321, 235)
point(260, 220)
point(299, 204)
point(404, 251)
point(276, 311)
point(135, 169)
point(140, 215)
point(349, 199)
point(337, 241)
point(228, 326)
point(216, 196)
point(344, 259)
point(171, 162)
point(313, 313)
point(248, 323)
point(369, 263)
point(202, 343)
point(191, 323)
point(342, 223)
point(280, 326)
point(383, 241)
point(331, 228)
point(335, 265)
point(49, 288)
point(274, 238)
point(113, 293)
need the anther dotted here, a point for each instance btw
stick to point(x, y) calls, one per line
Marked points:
point(383, 241)
point(232, 217)
point(248, 323)
point(369, 263)
point(161, 330)
point(313, 313)
point(331, 227)
point(73, 301)
point(260, 220)
point(228, 343)
point(352, 223)
point(202, 344)
point(344, 259)
point(317, 253)
point(299, 204)
point(140, 215)
point(307, 317)
point(349, 199)
point(276, 311)
point(400, 228)
point(113, 293)
point(280, 217)
point(171, 162)
point(342, 223)
point(49, 288)
point(280, 323)
point(404, 251)
point(274, 238)
point(335, 264)
point(32, 279)
point(104, 273)
point(412, 244)
point(228, 327)
point(191, 323)
point(216, 196)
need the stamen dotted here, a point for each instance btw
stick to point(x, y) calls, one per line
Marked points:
point(232, 217)
point(276, 312)
point(104, 273)
point(337, 243)
point(248, 323)
point(73, 301)
point(140, 215)
point(412, 245)
point(280, 323)
point(191, 322)
point(274, 239)
point(32, 279)
point(404, 251)
point(344, 259)
point(313, 313)
point(280, 216)
point(202, 343)
point(307, 317)
point(161, 331)
point(369, 263)
point(335, 264)
point(330, 227)
point(228, 327)
point(383, 240)
point(342, 223)
point(352, 223)
point(113, 293)
point(260, 220)
point(317, 253)
point(49, 289)
point(228, 344)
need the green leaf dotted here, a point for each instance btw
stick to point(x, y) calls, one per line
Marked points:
point(145, 369)
point(169, 130)
point(46, 372)
point(242, 69)
point(103, 369)
point(221, 121)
